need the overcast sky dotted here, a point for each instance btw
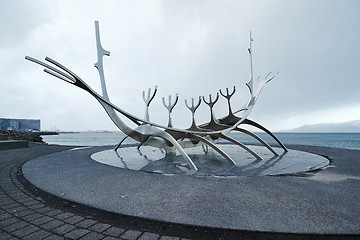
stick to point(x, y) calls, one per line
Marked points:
point(188, 47)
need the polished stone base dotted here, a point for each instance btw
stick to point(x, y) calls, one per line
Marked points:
point(211, 163)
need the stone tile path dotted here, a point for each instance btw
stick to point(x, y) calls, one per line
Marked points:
point(24, 214)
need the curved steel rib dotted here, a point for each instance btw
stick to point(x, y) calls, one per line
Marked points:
point(213, 146)
point(257, 138)
point(255, 124)
point(230, 139)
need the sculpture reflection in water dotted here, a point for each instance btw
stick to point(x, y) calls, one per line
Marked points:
point(170, 138)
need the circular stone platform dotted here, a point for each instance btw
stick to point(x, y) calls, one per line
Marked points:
point(211, 163)
point(326, 202)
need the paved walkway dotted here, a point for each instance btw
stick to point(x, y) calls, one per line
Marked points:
point(27, 215)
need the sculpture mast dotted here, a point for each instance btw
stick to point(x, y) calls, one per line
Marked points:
point(250, 84)
point(99, 64)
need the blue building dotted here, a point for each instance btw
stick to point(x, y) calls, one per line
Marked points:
point(19, 125)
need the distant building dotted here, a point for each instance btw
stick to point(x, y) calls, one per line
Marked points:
point(19, 124)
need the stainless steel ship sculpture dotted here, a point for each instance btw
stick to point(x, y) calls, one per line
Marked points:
point(170, 138)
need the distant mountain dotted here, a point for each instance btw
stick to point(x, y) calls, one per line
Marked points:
point(351, 126)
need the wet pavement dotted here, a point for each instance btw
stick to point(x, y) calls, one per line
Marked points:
point(326, 201)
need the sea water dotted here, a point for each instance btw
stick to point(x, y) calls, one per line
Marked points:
point(338, 140)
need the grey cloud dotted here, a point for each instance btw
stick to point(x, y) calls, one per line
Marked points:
point(190, 47)
point(19, 18)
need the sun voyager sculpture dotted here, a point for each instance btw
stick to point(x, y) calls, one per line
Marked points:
point(170, 138)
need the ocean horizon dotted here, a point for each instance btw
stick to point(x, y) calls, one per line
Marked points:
point(105, 138)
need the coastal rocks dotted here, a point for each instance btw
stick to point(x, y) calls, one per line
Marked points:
point(6, 143)
point(27, 136)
